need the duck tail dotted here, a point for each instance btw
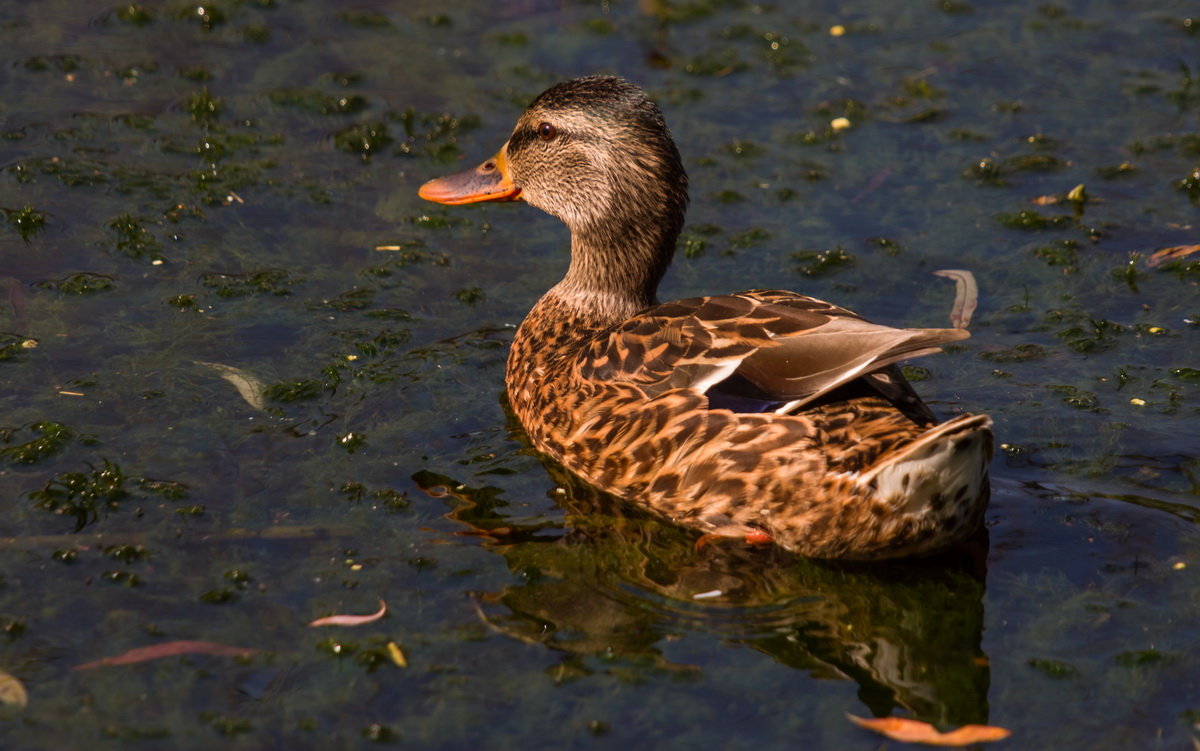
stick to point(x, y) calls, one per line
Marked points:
point(941, 476)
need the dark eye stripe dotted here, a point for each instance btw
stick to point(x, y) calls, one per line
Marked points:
point(519, 139)
point(524, 135)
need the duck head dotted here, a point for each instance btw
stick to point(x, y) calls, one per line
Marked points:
point(596, 153)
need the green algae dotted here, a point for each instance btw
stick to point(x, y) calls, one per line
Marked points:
point(294, 391)
point(1190, 184)
point(87, 496)
point(363, 139)
point(1063, 253)
point(824, 262)
point(354, 299)
point(1018, 353)
point(49, 438)
point(886, 244)
point(433, 135)
point(203, 106)
point(126, 553)
point(135, 14)
point(122, 578)
point(220, 596)
point(351, 442)
point(470, 295)
point(27, 221)
point(214, 132)
point(275, 282)
point(1187, 375)
point(317, 102)
point(82, 283)
point(1076, 397)
point(986, 171)
point(1140, 658)
point(134, 240)
point(365, 19)
point(388, 499)
point(1034, 163)
point(1032, 221)
point(83, 495)
point(749, 238)
point(1056, 669)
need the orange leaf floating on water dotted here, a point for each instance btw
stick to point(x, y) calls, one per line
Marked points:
point(12, 691)
point(915, 731)
point(351, 620)
point(397, 654)
point(169, 649)
point(1159, 257)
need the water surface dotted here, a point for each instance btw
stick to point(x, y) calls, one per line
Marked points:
point(200, 200)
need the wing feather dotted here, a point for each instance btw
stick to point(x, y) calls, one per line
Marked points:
point(792, 348)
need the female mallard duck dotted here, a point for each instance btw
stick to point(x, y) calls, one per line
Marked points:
point(763, 414)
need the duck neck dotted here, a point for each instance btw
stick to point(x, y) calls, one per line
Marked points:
point(616, 267)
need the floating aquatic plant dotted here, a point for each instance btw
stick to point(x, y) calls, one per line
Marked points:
point(27, 221)
point(263, 282)
point(84, 496)
point(82, 283)
point(49, 439)
point(821, 263)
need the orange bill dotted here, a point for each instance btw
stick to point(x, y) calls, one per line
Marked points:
point(489, 181)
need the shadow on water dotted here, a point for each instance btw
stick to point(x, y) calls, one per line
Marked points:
point(616, 581)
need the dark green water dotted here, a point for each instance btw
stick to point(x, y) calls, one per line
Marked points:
point(193, 197)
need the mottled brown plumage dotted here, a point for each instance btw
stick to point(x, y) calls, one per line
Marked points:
point(758, 412)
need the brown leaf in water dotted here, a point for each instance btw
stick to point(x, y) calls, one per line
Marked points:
point(169, 649)
point(915, 731)
point(1159, 257)
point(351, 620)
point(12, 691)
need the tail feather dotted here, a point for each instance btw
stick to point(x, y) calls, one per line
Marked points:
point(940, 477)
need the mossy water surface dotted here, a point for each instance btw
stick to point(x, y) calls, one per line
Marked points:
point(248, 378)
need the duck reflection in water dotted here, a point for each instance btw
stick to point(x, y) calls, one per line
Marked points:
point(618, 582)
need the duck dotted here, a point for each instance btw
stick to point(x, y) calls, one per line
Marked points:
point(764, 415)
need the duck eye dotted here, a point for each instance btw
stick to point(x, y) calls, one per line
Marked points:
point(546, 131)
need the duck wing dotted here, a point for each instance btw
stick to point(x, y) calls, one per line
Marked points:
point(778, 348)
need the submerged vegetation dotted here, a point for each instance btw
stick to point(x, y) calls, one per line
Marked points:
point(215, 269)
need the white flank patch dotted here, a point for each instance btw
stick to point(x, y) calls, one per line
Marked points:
point(935, 467)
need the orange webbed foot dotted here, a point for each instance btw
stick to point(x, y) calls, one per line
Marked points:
point(759, 537)
point(750, 535)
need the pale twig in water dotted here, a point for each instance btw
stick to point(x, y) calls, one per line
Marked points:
point(250, 387)
point(351, 620)
point(966, 296)
point(168, 649)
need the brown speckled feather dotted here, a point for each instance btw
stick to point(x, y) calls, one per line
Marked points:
point(765, 413)
point(803, 478)
point(793, 348)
